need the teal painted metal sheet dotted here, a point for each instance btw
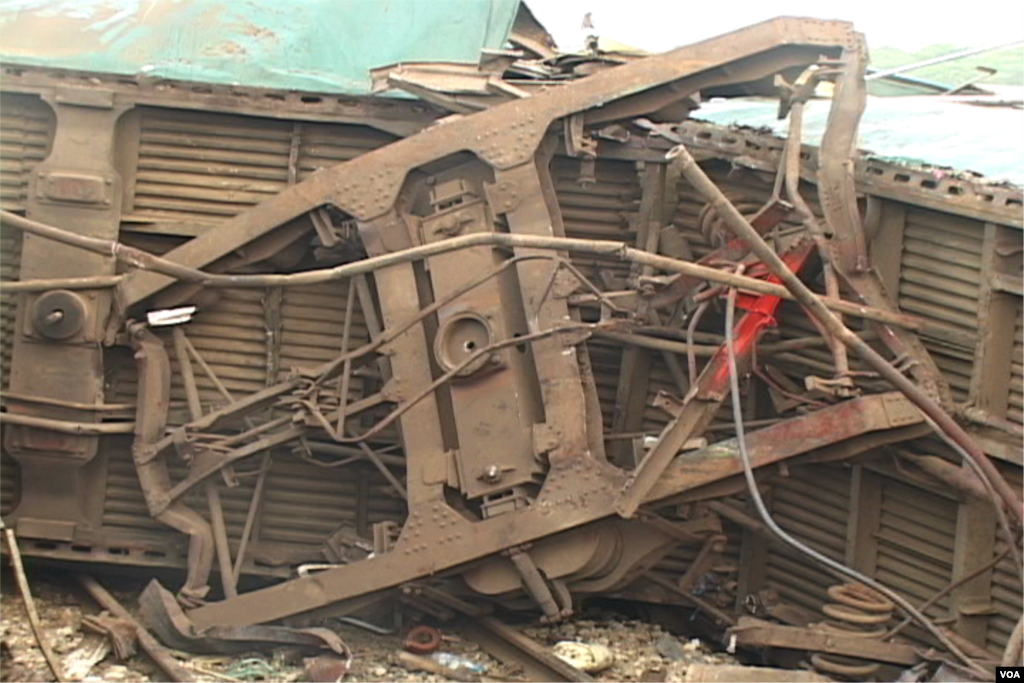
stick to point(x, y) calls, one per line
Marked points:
point(313, 45)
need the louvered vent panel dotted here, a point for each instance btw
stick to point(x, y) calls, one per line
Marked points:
point(25, 132)
point(125, 506)
point(302, 504)
point(939, 280)
point(10, 259)
point(915, 545)
point(605, 210)
point(209, 167)
point(1006, 582)
point(230, 335)
point(201, 166)
point(1015, 409)
point(812, 504)
point(9, 479)
point(312, 319)
point(322, 146)
point(10, 265)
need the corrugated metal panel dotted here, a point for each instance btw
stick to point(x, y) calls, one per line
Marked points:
point(312, 322)
point(917, 532)
point(10, 261)
point(230, 335)
point(1006, 582)
point(209, 167)
point(302, 505)
point(939, 280)
point(25, 133)
point(10, 265)
point(812, 504)
point(322, 145)
point(606, 210)
point(676, 563)
point(9, 479)
point(1015, 409)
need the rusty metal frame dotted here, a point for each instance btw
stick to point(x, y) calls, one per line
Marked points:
point(560, 486)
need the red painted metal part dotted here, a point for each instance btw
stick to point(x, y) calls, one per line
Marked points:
point(760, 314)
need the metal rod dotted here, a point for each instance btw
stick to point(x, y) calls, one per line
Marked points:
point(617, 250)
point(77, 405)
point(220, 533)
point(41, 285)
point(250, 517)
point(699, 602)
point(30, 605)
point(67, 426)
point(379, 464)
point(346, 372)
point(741, 228)
point(691, 350)
point(220, 539)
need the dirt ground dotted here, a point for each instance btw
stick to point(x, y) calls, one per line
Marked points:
point(641, 651)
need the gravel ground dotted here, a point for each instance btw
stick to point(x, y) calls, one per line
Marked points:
point(642, 651)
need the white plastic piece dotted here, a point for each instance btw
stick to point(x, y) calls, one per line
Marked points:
point(584, 656)
point(170, 316)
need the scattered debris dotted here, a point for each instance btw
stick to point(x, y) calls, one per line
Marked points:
point(634, 646)
point(718, 673)
point(584, 656)
point(422, 639)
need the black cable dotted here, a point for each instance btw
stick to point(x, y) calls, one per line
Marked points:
point(755, 494)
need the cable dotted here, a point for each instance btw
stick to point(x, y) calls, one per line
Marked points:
point(748, 473)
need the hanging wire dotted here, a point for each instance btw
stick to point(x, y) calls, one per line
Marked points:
point(762, 510)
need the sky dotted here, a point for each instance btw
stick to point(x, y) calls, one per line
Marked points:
point(659, 25)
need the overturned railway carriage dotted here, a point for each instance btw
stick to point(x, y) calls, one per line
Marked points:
point(472, 347)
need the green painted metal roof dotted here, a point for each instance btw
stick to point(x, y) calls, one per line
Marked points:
point(313, 45)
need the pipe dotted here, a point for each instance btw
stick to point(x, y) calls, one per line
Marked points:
point(67, 426)
point(742, 229)
point(619, 250)
point(154, 372)
point(250, 517)
point(97, 282)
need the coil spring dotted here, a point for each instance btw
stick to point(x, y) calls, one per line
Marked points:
point(857, 611)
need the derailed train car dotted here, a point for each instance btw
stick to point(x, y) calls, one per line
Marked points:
point(477, 347)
